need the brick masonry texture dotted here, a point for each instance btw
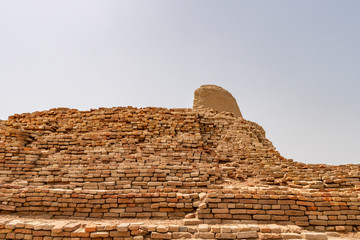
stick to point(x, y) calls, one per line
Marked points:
point(203, 166)
point(30, 229)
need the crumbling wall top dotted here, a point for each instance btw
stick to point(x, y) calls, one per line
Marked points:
point(216, 98)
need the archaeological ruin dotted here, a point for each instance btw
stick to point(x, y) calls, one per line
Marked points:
point(156, 173)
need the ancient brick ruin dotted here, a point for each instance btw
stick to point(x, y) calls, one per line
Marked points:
point(212, 172)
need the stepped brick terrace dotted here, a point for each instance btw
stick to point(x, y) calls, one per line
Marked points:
point(156, 173)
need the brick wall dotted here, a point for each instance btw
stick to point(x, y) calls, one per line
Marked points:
point(20, 229)
point(322, 211)
point(66, 162)
point(97, 203)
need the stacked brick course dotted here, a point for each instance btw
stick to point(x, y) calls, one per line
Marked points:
point(26, 229)
point(166, 163)
point(99, 203)
point(332, 211)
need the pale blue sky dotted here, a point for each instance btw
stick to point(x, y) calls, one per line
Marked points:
point(293, 66)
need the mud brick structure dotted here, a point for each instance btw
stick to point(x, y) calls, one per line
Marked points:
point(214, 171)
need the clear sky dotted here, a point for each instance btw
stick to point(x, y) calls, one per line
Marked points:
point(293, 66)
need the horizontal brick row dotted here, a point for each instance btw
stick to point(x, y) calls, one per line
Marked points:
point(98, 203)
point(22, 229)
point(312, 210)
